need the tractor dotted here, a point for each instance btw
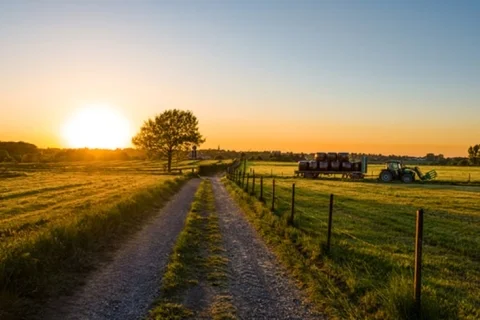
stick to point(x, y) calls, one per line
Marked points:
point(395, 170)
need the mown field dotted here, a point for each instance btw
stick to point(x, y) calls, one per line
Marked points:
point(33, 203)
point(369, 272)
point(445, 173)
point(44, 194)
point(54, 217)
point(133, 166)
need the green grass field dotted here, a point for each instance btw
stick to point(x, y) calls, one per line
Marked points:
point(369, 271)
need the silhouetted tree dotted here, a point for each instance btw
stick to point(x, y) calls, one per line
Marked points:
point(169, 132)
point(18, 149)
point(5, 156)
point(474, 154)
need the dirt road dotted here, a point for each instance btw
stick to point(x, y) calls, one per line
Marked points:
point(126, 287)
point(258, 284)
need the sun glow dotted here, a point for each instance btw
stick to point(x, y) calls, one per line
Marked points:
point(97, 126)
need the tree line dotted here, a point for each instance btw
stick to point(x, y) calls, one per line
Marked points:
point(174, 134)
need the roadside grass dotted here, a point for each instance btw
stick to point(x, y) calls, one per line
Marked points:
point(369, 272)
point(60, 229)
point(197, 259)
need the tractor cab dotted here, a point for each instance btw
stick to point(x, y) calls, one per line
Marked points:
point(395, 167)
point(396, 171)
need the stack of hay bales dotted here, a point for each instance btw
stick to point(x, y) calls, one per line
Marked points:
point(330, 161)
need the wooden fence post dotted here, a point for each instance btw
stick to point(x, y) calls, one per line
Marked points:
point(330, 216)
point(290, 221)
point(243, 179)
point(253, 183)
point(248, 178)
point(273, 195)
point(261, 188)
point(417, 280)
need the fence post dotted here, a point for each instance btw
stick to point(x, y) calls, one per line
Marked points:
point(253, 183)
point(261, 188)
point(273, 195)
point(243, 179)
point(330, 216)
point(417, 280)
point(290, 221)
point(248, 178)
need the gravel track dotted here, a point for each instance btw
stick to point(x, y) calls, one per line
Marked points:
point(127, 286)
point(259, 286)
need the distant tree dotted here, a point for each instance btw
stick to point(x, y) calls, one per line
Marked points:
point(463, 162)
point(18, 149)
point(474, 154)
point(30, 157)
point(168, 133)
point(5, 156)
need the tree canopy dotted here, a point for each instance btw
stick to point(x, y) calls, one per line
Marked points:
point(474, 154)
point(167, 133)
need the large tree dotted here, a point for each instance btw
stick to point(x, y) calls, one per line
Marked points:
point(474, 154)
point(167, 133)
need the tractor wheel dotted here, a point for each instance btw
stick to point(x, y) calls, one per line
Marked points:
point(407, 178)
point(386, 176)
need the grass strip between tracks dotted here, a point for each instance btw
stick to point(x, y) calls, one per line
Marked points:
point(198, 259)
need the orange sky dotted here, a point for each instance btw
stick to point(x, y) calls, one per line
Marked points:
point(326, 79)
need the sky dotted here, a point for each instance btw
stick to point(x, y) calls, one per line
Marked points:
point(391, 77)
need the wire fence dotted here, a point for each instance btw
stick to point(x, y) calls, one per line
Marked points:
point(283, 202)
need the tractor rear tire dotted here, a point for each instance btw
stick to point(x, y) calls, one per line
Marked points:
point(386, 176)
point(407, 178)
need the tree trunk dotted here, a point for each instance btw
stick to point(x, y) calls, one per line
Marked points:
point(169, 156)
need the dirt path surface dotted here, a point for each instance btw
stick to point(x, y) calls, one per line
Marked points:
point(126, 287)
point(258, 284)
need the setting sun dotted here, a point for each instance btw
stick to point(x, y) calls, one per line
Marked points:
point(97, 126)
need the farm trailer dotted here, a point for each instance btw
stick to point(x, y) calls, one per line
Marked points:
point(332, 164)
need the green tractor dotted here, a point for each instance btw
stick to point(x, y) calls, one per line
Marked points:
point(396, 171)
